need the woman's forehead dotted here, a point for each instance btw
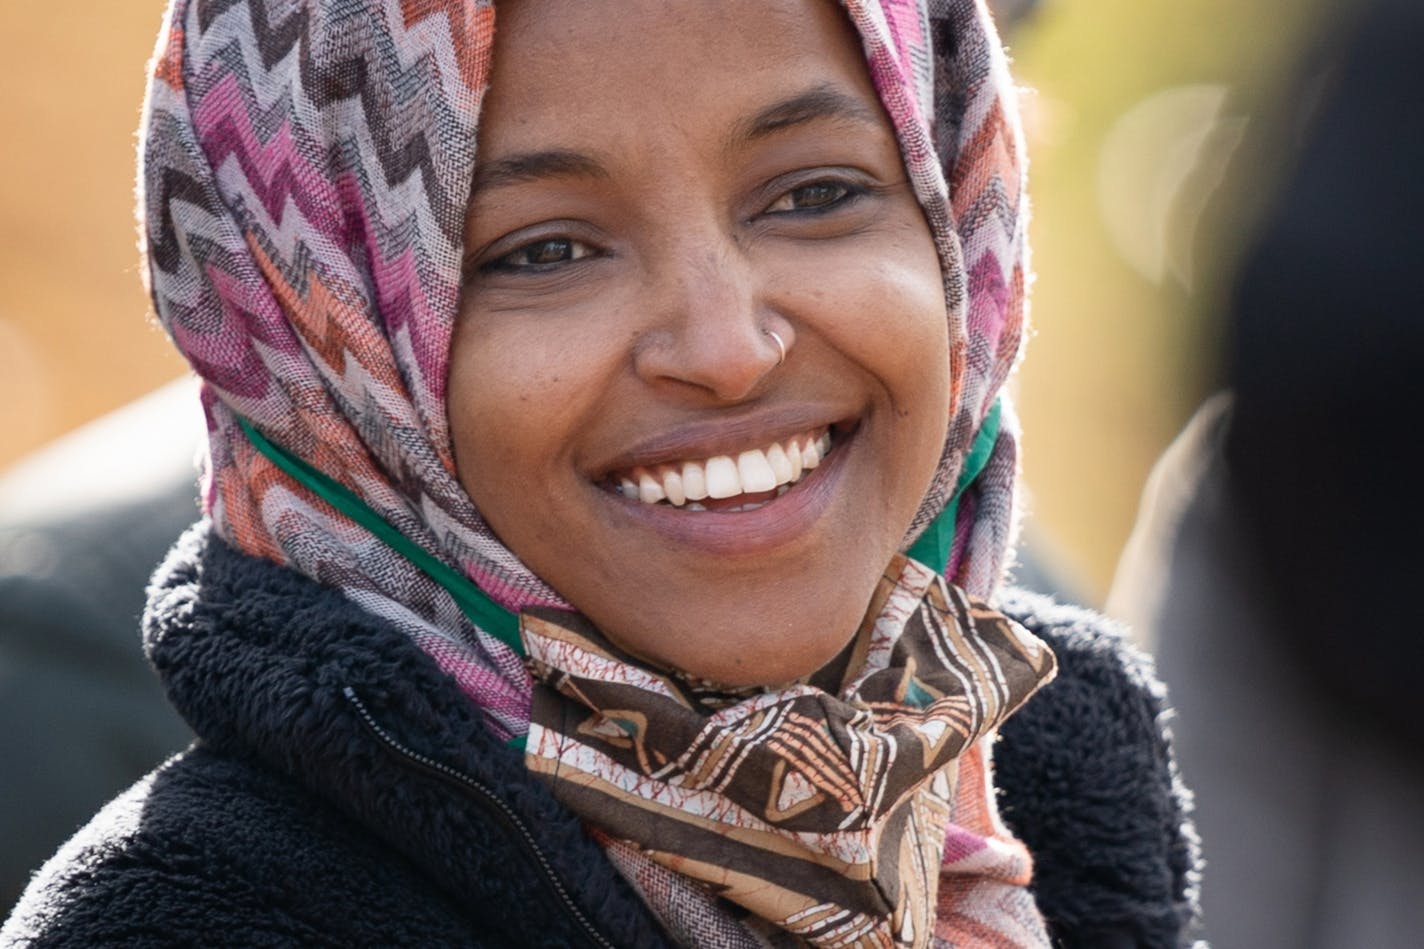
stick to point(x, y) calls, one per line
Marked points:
point(553, 53)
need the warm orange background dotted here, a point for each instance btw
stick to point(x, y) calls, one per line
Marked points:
point(1136, 103)
point(74, 340)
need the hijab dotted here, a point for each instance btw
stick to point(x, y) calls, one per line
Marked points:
point(305, 171)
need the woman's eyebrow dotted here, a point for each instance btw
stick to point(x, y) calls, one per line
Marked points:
point(819, 102)
point(529, 166)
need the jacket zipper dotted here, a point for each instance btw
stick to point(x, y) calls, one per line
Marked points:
point(492, 800)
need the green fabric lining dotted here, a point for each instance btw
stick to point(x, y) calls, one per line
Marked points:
point(473, 602)
point(932, 548)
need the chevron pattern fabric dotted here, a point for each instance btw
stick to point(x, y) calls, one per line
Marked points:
point(304, 171)
point(942, 77)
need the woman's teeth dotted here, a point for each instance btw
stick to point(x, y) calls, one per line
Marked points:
point(774, 468)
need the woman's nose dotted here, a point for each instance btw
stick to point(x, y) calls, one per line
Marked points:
point(712, 328)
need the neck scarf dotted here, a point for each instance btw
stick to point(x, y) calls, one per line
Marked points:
point(830, 808)
point(305, 166)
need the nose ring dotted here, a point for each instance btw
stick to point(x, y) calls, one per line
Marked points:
point(780, 345)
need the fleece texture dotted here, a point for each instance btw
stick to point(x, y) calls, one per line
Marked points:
point(293, 822)
point(1088, 780)
point(343, 791)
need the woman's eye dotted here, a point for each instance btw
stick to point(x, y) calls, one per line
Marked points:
point(541, 254)
point(817, 196)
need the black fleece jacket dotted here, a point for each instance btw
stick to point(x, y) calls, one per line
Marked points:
point(343, 792)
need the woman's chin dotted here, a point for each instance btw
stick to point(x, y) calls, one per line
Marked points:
point(772, 654)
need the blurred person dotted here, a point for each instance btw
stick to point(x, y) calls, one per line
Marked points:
point(83, 523)
point(1280, 536)
point(487, 637)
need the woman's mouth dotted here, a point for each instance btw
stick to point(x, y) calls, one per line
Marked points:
point(743, 481)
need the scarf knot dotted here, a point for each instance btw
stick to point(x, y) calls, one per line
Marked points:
point(826, 807)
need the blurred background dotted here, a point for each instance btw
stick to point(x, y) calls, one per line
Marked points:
point(1134, 113)
point(1167, 140)
point(75, 339)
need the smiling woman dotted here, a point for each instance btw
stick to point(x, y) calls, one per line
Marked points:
point(608, 486)
point(626, 268)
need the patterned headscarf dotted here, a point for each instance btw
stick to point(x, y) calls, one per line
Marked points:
point(305, 170)
point(306, 166)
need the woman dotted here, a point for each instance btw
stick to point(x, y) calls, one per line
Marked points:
point(576, 373)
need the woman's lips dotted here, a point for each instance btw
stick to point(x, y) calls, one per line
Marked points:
point(727, 482)
point(743, 522)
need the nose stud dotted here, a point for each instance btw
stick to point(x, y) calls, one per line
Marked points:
point(780, 345)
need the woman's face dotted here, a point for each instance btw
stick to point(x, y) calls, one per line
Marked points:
point(659, 187)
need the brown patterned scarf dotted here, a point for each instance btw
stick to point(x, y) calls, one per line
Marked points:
point(854, 809)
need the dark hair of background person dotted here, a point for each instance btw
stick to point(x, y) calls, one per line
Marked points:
point(1327, 365)
point(1275, 559)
